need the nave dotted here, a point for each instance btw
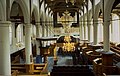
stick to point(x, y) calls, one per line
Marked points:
point(34, 33)
point(92, 57)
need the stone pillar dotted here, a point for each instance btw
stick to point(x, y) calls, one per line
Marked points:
point(89, 31)
point(84, 26)
point(94, 23)
point(82, 29)
point(47, 30)
point(107, 55)
point(106, 23)
point(37, 41)
point(88, 21)
point(37, 29)
point(79, 30)
point(106, 33)
point(5, 63)
point(106, 43)
point(40, 31)
point(28, 46)
point(95, 33)
point(80, 26)
point(43, 30)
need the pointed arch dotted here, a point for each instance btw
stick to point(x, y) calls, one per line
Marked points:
point(36, 13)
point(97, 10)
point(109, 3)
point(24, 9)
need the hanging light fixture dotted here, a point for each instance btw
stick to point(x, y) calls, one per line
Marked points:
point(68, 46)
point(66, 19)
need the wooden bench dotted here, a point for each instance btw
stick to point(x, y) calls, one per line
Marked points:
point(116, 57)
point(19, 67)
point(38, 68)
point(14, 72)
point(97, 66)
point(99, 69)
point(28, 68)
point(109, 75)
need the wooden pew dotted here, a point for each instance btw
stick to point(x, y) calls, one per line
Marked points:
point(28, 68)
point(92, 56)
point(19, 67)
point(109, 75)
point(99, 69)
point(115, 49)
point(38, 68)
point(14, 72)
point(97, 66)
point(116, 57)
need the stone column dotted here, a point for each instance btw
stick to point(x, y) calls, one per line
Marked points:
point(80, 26)
point(5, 63)
point(28, 46)
point(106, 36)
point(37, 41)
point(43, 30)
point(84, 25)
point(37, 29)
point(94, 23)
point(82, 32)
point(106, 23)
point(88, 21)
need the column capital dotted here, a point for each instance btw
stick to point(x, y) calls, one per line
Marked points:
point(38, 23)
point(3, 23)
point(28, 25)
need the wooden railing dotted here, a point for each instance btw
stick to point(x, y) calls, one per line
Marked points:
point(17, 59)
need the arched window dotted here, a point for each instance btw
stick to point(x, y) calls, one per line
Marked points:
point(33, 32)
point(91, 31)
point(100, 30)
point(115, 28)
point(10, 34)
point(19, 33)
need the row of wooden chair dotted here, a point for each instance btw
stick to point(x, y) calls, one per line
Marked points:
point(96, 59)
point(28, 68)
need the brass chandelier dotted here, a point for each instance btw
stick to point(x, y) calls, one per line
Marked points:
point(68, 46)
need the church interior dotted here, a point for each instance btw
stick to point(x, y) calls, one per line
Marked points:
point(59, 37)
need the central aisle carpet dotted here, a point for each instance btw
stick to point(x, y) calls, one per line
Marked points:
point(62, 60)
